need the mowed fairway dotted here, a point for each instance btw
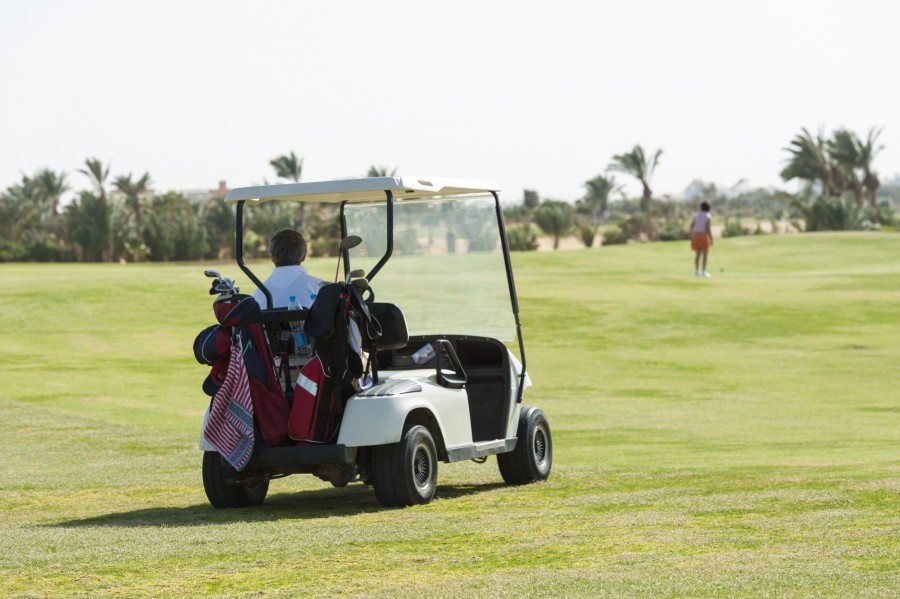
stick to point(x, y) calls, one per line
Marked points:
point(732, 436)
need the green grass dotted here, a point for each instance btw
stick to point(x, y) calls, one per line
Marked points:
point(736, 436)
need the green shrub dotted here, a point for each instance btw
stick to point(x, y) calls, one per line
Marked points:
point(614, 236)
point(834, 214)
point(632, 227)
point(587, 233)
point(733, 228)
point(521, 238)
point(673, 231)
point(11, 251)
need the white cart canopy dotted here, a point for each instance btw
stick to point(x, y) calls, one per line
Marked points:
point(355, 191)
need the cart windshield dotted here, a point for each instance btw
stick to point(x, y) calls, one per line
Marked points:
point(446, 271)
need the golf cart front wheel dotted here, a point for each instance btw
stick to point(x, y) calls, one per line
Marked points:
point(405, 473)
point(532, 458)
point(221, 489)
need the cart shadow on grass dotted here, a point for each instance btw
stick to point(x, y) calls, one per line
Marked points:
point(300, 505)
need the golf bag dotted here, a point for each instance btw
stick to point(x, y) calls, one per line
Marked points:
point(335, 320)
point(238, 318)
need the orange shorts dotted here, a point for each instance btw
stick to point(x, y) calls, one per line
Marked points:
point(700, 242)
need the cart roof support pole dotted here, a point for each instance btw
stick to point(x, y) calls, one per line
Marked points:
point(514, 298)
point(239, 253)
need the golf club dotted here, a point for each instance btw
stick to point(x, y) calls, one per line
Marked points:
point(223, 286)
point(351, 241)
point(716, 256)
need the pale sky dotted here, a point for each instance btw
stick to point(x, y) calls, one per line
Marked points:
point(536, 95)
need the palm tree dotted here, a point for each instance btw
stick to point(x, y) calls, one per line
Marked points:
point(87, 222)
point(290, 167)
point(381, 171)
point(555, 218)
point(133, 190)
point(845, 151)
point(21, 209)
point(98, 174)
point(871, 183)
point(597, 197)
point(51, 186)
point(809, 162)
point(218, 220)
point(636, 164)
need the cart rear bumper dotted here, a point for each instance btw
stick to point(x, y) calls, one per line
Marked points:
point(302, 455)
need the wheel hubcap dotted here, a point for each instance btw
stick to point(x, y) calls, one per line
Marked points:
point(422, 467)
point(540, 446)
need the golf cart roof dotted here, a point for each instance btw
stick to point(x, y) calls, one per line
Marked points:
point(369, 189)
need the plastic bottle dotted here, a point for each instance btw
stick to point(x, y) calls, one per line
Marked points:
point(302, 348)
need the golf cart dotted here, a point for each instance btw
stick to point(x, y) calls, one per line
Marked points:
point(437, 381)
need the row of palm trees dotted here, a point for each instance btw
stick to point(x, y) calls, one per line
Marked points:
point(635, 163)
point(120, 218)
point(833, 169)
point(836, 167)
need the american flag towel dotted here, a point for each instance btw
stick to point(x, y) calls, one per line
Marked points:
point(230, 425)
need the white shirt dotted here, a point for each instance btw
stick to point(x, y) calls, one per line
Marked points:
point(286, 281)
point(701, 222)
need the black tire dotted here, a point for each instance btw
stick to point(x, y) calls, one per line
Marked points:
point(532, 458)
point(223, 494)
point(405, 473)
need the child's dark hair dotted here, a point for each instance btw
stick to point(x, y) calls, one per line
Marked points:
point(287, 248)
point(704, 206)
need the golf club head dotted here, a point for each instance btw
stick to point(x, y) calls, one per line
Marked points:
point(223, 286)
point(212, 274)
point(355, 274)
point(351, 241)
point(360, 283)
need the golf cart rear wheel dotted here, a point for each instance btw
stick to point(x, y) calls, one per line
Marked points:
point(405, 473)
point(532, 458)
point(222, 491)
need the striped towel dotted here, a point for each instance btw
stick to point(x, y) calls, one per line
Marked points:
point(230, 425)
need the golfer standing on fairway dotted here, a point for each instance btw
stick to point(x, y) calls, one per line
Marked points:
point(701, 238)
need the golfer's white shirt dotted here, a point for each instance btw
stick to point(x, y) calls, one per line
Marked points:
point(701, 219)
point(286, 281)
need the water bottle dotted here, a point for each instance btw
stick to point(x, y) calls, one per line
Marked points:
point(302, 348)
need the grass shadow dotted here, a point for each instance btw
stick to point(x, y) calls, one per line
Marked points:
point(300, 505)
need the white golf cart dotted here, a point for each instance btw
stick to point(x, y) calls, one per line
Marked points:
point(444, 386)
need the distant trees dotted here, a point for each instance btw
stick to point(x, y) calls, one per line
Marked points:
point(134, 191)
point(87, 220)
point(288, 166)
point(381, 171)
point(120, 218)
point(127, 222)
point(595, 204)
point(94, 224)
point(838, 175)
point(639, 166)
point(555, 218)
point(596, 200)
point(32, 227)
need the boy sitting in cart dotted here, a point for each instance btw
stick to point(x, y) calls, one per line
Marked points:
point(287, 248)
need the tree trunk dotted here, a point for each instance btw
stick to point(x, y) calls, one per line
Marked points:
point(648, 213)
point(873, 205)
